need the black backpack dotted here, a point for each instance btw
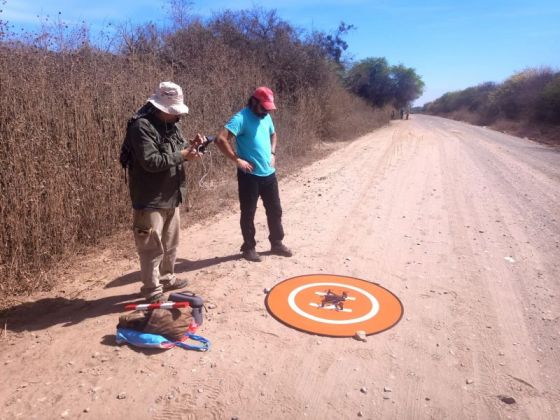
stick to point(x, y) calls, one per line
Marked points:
point(125, 156)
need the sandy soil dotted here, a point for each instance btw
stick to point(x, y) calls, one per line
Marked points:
point(460, 222)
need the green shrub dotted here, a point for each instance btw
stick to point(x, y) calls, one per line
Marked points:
point(548, 103)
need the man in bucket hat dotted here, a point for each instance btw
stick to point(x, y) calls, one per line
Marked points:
point(255, 158)
point(157, 186)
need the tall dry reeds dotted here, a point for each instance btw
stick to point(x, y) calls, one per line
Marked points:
point(63, 115)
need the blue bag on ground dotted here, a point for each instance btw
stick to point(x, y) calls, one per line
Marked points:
point(155, 341)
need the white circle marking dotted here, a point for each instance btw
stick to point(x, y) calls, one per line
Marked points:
point(374, 304)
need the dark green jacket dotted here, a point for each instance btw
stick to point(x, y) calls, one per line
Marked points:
point(156, 174)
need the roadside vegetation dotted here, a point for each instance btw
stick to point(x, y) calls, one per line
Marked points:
point(66, 97)
point(526, 104)
point(381, 84)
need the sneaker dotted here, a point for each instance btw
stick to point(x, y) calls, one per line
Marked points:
point(280, 249)
point(177, 284)
point(157, 298)
point(251, 255)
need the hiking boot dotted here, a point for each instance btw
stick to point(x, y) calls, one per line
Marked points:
point(251, 255)
point(157, 298)
point(177, 284)
point(280, 249)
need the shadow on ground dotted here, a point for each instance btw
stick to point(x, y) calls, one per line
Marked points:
point(44, 313)
point(182, 266)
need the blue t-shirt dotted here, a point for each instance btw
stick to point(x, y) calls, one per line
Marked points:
point(253, 140)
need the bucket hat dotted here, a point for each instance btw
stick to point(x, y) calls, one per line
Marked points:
point(168, 98)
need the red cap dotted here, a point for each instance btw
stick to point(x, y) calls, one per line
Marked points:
point(265, 97)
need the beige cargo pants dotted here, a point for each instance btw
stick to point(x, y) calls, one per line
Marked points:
point(156, 233)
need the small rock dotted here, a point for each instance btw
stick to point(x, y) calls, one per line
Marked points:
point(86, 410)
point(235, 418)
point(469, 381)
point(502, 353)
point(509, 259)
point(387, 389)
point(360, 336)
point(211, 306)
point(506, 399)
point(363, 390)
point(266, 290)
point(360, 414)
point(121, 396)
point(427, 398)
point(94, 355)
point(200, 390)
point(65, 414)
point(213, 365)
point(386, 397)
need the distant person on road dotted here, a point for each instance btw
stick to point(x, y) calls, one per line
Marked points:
point(401, 113)
point(407, 113)
point(255, 157)
point(154, 151)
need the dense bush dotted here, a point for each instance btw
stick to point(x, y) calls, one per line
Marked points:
point(64, 105)
point(530, 96)
point(548, 102)
point(381, 84)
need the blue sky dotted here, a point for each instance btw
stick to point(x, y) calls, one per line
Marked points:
point(451, 44)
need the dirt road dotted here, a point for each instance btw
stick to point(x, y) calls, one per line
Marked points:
point(460, 222)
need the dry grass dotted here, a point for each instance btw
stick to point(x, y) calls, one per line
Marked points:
point(536, 131)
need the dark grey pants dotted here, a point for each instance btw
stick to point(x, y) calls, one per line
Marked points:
point(251, 187)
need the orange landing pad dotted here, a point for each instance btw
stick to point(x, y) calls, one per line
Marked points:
point(332, 305)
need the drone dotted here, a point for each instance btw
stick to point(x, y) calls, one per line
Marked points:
point(334, 299)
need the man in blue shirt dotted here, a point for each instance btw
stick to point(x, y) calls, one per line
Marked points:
point(254, 155)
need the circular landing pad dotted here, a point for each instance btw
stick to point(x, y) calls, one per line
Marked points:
point(332, 305)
